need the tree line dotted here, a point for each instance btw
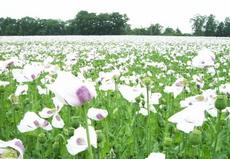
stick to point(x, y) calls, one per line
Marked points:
point(85, 23)
point(208, 26)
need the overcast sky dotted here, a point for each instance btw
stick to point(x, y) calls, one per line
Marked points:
point(173, 13)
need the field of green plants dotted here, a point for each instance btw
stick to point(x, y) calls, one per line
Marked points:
point(114, 97)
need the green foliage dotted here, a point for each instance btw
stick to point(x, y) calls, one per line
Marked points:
point(227, 26)
point(155, 29)
point(210, 26)
point(198, 24)
point(220, 29)
point(103, 24)
point(86, 23)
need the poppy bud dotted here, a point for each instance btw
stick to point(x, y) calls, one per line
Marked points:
point(56, 146)
point(221, 102)
point(147, 81)
point(195, 137)
point(14, 99)
point(42, 138)
point(66, 131)
point(168, 141)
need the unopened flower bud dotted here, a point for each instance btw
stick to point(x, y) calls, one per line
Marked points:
point(147, 81)
point(221, 102)
point(195, 137)
point(168, 141)
point(42, 138)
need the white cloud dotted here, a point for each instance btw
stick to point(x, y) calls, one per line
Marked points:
point(173, 13)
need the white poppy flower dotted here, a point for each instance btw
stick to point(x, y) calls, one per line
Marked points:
point(21, 89)
point(57, 121)
point(42, 90)
point(143, 111)
point(205, 58)
point(188, 118)
point(107, 85)
point(194, 113)
point(72, 90)
point(78, 142)
point(97, 114)
point(198, 79)
point(28, 73)
point(16, 144)
point(225, 88)
point(176, 88)
point(156, 155)
point(4, 83)
point(130, 93)
point(32, 121)
point(5, 64)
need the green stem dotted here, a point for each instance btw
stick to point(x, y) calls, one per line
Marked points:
point(148, 120)
point(87, 134)
point(217, 130)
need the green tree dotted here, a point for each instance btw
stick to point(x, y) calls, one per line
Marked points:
point(210, 26)
point(84, 23)
point(220, 29)
point(198, 24)
point(227, 26)
point(119, 23)
point(178, 32)
point(9, 26)
point(27, 26)
point(169, 31)
point(155, 29)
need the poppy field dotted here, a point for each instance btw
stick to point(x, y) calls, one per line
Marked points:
point(114, 97)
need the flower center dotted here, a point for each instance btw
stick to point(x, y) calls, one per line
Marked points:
point(80, 141)
point(33, 76)
point(99, 116)
point(36, 123)
point(58, 118)
point(45, 124)
point(83, 94)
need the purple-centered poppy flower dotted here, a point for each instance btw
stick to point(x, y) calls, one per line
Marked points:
point(15, 144)
point(72, 90)
point(78, 142)
point(32, 121)
point(97, 114)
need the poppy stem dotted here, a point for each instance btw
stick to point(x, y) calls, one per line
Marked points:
point(87, 134)
point(218, 131)
point(148, 120)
